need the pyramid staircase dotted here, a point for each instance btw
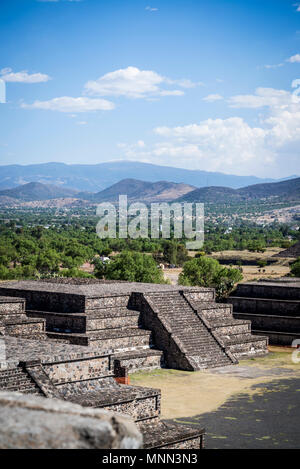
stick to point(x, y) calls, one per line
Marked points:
point(181, 333)
point(235, 334)
point(17, 379)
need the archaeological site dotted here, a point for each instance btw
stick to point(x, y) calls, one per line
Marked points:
point(77, 340)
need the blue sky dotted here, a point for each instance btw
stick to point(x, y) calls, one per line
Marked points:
point(196, 84)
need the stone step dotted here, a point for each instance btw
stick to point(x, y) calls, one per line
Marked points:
point(214, 310)
point(138, 402)
point(16, 384)
point(246, 347)
point(11, 372)
point(110, 318)
point(109, 341)
point(160, 434)
point(239, 338)
point(114, 301)
point(274, 323)
point(211, 361)
point(17, 380)
point(126, 319)
point(140, 360)
point(233, 326)
point(25, 388)
point(267, 290)
point(10, 305)
point(6, 317)
point(26, 327)
point(279, 338)
point(265, 306)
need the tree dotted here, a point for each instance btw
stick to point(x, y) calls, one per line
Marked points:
point(295, 268)
point(134, 267)
point(48, 262)
point(175, 253)
point(207, 272)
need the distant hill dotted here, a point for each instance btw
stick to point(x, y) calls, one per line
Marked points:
point(36, 191)
point(287, 190)
point(96, 177)
point(141, 191)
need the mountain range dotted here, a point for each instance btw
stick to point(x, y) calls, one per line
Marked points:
point(97, 177)
point(37, 191)
point(145, 191)
point(140, 191)
point(285, 190)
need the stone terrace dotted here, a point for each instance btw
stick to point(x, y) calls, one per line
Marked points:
point(143, 326)
point(84, 376)
point(272, 306)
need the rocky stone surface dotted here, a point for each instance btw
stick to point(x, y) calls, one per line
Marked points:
point(34, 422)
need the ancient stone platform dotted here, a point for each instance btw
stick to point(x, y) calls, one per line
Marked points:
point(88, 335)
point(273, 307)
point(142, 326)
point(81, 375)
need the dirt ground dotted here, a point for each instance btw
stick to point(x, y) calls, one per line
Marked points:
point(250, 272)
point(186, 394)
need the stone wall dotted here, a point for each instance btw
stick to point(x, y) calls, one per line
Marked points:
point(265, 306)
point(48, 301)
point(78, 370)
point(106, 302)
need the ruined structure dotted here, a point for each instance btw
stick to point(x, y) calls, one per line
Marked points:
point(78, 340)
point(272, 306)
point(82, 375)
point(143, 326)
point(291, 252)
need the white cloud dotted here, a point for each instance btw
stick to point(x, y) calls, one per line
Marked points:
point(71, 105)
point(212, 98)
point(134, 83)
point(295, 58)
point(297, 5)
point(269, 148)
point(23, 77)
point(151, 8)
point(274, 66)
point(171, 93)
point(263, 97)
